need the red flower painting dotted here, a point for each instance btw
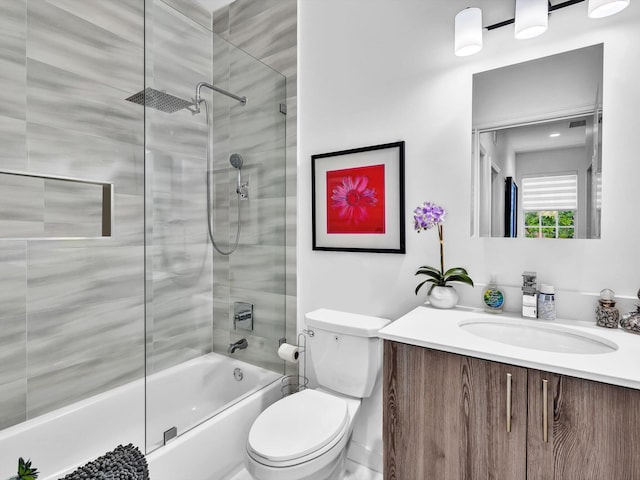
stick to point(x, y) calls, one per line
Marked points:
point(355, 200)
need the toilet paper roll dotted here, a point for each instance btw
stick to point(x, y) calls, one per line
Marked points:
point(289, 353)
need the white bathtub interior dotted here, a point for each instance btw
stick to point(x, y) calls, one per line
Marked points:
point(190, 393)
point(60, 441)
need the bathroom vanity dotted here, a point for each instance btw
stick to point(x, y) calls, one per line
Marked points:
point(461, 403)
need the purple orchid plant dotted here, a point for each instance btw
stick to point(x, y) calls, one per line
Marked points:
point(427, 216)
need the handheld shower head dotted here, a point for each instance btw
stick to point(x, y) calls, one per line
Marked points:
point(236, 160)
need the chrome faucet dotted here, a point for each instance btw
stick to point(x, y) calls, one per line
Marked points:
point(529, 295)
point(239, 345)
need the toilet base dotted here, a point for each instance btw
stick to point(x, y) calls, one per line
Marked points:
point(330, 466)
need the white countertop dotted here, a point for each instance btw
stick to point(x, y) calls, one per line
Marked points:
point(429, 327)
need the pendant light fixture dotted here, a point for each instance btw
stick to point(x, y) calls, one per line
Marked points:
point(604, 8)
point(532, 18)
point(468, 32)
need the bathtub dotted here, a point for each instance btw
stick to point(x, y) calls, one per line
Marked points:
point(183, 396)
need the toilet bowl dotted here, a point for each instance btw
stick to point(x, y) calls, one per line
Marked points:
point(304, 436)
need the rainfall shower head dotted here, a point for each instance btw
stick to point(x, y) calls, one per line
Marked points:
point(162, 101)
point(236, 160)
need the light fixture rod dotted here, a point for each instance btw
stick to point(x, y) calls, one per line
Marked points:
point(552, 8)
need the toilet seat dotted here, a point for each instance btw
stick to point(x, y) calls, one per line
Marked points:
point(298, 428)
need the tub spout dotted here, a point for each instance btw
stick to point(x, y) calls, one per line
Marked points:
point(239, 345)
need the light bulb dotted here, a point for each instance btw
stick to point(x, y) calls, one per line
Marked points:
point(468, 32)
point(532, 18)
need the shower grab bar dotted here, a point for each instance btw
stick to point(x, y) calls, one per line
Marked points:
point(198, 99)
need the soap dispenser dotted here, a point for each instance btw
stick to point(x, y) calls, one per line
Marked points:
point(492, 297)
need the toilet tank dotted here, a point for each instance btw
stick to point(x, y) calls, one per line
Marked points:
point(345, 351)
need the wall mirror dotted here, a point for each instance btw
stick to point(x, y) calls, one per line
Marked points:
point(537, 147)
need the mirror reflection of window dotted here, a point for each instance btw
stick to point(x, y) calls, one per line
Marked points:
point(539, 119)
point(550, 205)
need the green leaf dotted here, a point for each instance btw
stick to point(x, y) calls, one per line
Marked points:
point(25, 471)
point(426, 268)
point(430, 272)
point(459, 278)
point(456, 271)
point(428, 280)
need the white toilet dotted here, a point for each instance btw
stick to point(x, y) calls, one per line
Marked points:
point(304, 436)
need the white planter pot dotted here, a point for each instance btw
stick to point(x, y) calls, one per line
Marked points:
point(443, 297)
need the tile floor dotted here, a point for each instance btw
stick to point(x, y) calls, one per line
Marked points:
point(354, 472)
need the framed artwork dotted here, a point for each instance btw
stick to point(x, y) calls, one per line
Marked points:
point(358, 199)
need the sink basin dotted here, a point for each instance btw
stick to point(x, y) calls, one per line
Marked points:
point(549, 338)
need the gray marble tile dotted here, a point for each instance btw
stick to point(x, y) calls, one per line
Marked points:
point(21, 206)
point(128, 226)
point(262, 222)
point(267, 174)
point(291, 328)
point(178, 132)
point(291, 121)
point(290, 221)
point(68, 153)
point(12, 75)
point(13, 284)
point(190, 9)
point(259, 126)
point(68, 42)
point(67, 101)
point(220, 22)
point(170, 351)
point(263, 28)
point(72, 209)
point(124, 18)
point(290, 269)
point(81, 350)
point(13, 138)
point(260, 268)
point(62, 275)
point(181, 52)
point(13, 352)
point(13, 403)
point(13, 21)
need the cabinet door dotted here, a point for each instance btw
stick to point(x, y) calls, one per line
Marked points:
point(593, 430)
point(445, 417)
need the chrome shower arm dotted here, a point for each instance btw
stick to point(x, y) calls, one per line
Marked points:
point(198, 99)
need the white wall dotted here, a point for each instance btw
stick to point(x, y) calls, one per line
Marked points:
point(376, 71)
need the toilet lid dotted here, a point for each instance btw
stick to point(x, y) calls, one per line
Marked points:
point(298, 425)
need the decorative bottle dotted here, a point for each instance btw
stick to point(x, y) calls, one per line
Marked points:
point(546, 302)
point(492, 297)
point(607, 315)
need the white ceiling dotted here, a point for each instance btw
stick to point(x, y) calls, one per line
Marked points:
point(536, 137)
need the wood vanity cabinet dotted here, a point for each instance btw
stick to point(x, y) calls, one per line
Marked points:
point(445, 417)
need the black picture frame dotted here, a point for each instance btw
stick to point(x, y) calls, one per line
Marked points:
point(389, 158)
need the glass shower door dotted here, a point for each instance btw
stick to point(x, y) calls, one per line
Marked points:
point(194, 168)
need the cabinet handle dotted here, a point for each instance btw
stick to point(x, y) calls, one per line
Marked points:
point(509, 376)
point(545, 411)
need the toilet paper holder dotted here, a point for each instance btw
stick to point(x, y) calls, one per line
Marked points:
point(290, 384)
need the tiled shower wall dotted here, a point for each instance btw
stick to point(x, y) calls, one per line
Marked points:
point(71, 311)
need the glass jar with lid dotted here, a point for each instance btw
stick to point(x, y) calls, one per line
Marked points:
point(607, 315)
point(631, 321)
